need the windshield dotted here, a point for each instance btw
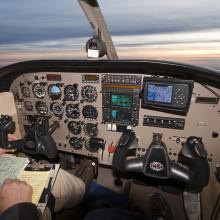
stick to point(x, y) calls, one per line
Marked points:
point(185, 31)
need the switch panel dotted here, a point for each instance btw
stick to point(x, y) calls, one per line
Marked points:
point(164, 122)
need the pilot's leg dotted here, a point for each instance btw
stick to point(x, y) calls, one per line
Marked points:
point(68, 190)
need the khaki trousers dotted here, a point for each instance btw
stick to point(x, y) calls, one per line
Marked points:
point(68, 191)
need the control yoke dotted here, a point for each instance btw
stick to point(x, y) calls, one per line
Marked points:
point(156, 162)
point(38, 139)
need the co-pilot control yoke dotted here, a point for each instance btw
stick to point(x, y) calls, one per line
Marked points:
point(192, 167)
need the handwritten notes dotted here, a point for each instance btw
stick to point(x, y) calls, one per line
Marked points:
point(38, 180)
point(11, 166)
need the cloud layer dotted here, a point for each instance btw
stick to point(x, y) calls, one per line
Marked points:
point(186, 31)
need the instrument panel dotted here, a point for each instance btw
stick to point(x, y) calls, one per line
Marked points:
point(94, 109)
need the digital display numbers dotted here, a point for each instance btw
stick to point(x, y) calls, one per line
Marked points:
point(121, 100)
point(159, 93)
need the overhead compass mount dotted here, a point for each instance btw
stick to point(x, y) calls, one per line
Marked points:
point(102, 36)
point(96, 47)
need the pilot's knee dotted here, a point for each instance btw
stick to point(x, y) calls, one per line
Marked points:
point(68, 190)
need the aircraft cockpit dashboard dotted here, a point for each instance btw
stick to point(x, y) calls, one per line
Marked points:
point(93, 102)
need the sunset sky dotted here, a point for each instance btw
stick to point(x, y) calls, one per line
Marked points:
point(185, 31)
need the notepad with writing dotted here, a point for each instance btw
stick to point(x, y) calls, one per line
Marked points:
point(40, 176)
point(38, 180)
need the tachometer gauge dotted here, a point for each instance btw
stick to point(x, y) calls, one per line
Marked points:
point(41, 107)
point(72, 111)
point(71, 92)
point(39, 90)
point(90, 111)
point(74, 127)
point(57, 109)
point(89, 93)
point(54, 91)
point(25, 92)
point(91, 130)
point(76, 143)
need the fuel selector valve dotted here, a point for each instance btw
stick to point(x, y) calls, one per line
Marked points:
point(38, 139)
point(157, 164)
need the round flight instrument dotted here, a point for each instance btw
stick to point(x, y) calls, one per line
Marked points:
point(39, 90)
point(25, 92)
point(91, 130)
point(74, 127)
point(28, 105)
point(54, 91)
point(91, 148)
point(76, 143)
point(71, 93)
point(57, 109)
point(41, 107)
point(72, 111)
point(90, 111)
point(89, 93)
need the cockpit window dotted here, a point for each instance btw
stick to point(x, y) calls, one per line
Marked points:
point(184, 31)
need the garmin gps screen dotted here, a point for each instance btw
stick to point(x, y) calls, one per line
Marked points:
point(159, 93)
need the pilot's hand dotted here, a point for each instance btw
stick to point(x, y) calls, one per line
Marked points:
point(11, 137)
point(13, 192)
